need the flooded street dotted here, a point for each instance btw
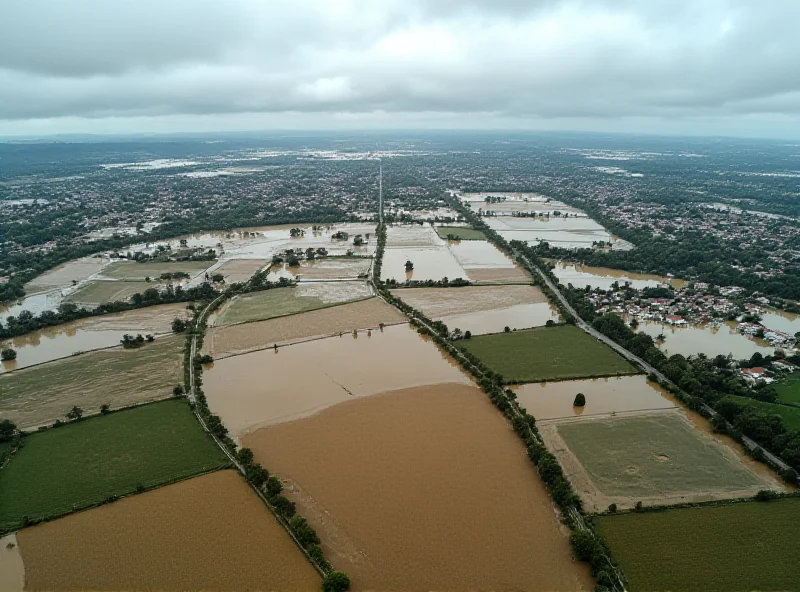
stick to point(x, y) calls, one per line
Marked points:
point(429, 477)
point(267, 387)
point(553, 400)
point(707, 339)
point(207, 533)
point(602, 277)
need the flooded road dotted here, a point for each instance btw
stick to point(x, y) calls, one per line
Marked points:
point(430, 477)
point(707, 339)
point(602, 277)
point(553, 400)
point(266, 387)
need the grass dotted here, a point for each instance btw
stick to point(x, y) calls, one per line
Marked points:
point(38, 395)
point(652, 456)
point(547, 353)
point(260, 306)
point(82, 464)
point(154, 269)
point(739, 547)
point(789, 390)
point(790, 415)
point(99, 292)
point(460, 233)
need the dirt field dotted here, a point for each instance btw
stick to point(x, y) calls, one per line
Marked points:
point(412, 236)
point(240, 270)
point(224, 341)
point(658, 458)
point(100, 291)
point(42, 394)
point(326, 269)
point(63, 275)
point(498, 274)
point(132, 269)
point(423, 489)
point(207, 533)
point(268, 387)
point(436, 303)
point(12, 570)
point(153, 319)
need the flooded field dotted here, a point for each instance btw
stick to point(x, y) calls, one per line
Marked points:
point(707, 339)
point(412, 236)
point(484, 262)
point(136, 270)
point(84, 335)
point(12, 570)
point(264, 242)
point(207, 533)
point(35, 396)
point(602, 277)
point(571, 232)
point(552, 400)
point(482, 309)
point(64, 275)
point(224, 341)
point(240, 270)
point(266, 387)
point(34, 304)
point(432, 263)
point(780, 320)
point(379, 478)
point(100, 291)
point(657, 457)
point(328, 268)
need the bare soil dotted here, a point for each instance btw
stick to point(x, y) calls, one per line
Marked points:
point(498, 274)
point(153, 319)
point(423, 489)
point(224, 341)
point(207, 533)
point(100, 291)
point(63, 275)
point(240, 270)
point(436, 303)
point(12, 570)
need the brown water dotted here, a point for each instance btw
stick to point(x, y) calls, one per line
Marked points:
point(478, 253)
point(268, 387)
point(207, 533)
point(553, 400)
point(780, 320)
point(34, 304)
point(423, 489)
point(432, 263)
point(439, 302)
point(707, 339)
point(602, 277)
point(521, 316)
point(12, 570)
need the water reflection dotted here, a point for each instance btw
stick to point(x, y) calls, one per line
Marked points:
point(520, 316)
point(708, 339)
point(429, 264)
point(603, 277)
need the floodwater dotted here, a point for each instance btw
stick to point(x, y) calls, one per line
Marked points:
point(520, 316)
point(553, 400)
point(64, 275)
point(432, 263)
point(602, 277)
point(322, 269)
point(207, 533)
point(267, 387)
point(12, 569)
point(35, 304)
point(780, 320)
point(412, 236)
point(423, 489)
point(706, 339)
point(479, 253)
point(436, 303)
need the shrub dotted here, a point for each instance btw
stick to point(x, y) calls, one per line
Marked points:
point(304, 532)
point(583, 545)
point(766, 495)
point(336, 581)
point(580, 400)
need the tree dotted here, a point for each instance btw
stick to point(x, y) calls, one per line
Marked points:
point(75, 413)
point(179, 325)
point(245, 456)
point(583, 545)
point(506, 329)
point(7, 430)
point(177, 391)
point(218, 277)
point(467, 335)
point(105, 409)
point(580, 400)
point(274, 486)
point(8, 354)
point(304, 532)
point(409, 265)
point(284, 506)
point(336, 581)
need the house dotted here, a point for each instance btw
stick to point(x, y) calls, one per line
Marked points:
point(784, 365)
point(676, 320)
point(756, 372)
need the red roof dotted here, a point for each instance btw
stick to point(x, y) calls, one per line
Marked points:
point(754, 370)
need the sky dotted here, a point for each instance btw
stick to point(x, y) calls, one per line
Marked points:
point(698, 67)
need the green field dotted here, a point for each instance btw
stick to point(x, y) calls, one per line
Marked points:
point(260, 306)
point(99, 291)
point(547, 353)
point(789, 390)
point(653, 455)
point(133, 269)
point(78, 465)
point(790, 414)
point(460, 233)
point(740, 547)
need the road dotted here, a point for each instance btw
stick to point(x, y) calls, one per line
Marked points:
point(579, 322)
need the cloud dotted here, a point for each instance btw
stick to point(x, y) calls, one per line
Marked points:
point(508, 59)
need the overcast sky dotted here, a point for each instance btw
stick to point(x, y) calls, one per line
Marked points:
point(717, 67)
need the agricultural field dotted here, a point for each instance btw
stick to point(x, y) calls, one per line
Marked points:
point(657, 458)
point(63, 275)
point(459, 233)
point(207, 533)
point(81, 464)
point(240, 270)
point(135, 270)
point(789, 390)
point(152, 319)
point(744, 546)
point(482, 309)
point(547, 353)
point(234, 339)
point(36, 396)
point(789, 413)
point(381, 481)
point(267, 387)
point(101, 291)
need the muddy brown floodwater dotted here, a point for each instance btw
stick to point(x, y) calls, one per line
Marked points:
point(602, 277)
point(207, 533)
point(552, 400)
point(12, 570)
point(431, 263)
point(423, 489)
point(265, 387)
point(707, 339)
